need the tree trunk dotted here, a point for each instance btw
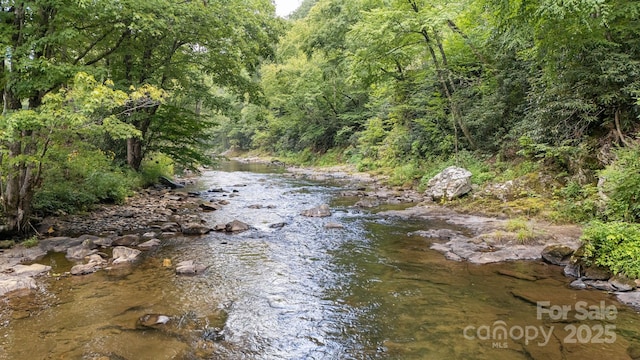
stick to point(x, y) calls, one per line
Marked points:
point(135, 146)
point(134, 153)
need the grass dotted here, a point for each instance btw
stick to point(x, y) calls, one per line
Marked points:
point(30, 242)
point(522, 228)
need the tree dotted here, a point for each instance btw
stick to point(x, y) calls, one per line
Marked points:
point(186, 49)
point(170, 56)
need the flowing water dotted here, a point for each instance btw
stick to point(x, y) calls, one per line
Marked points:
point(301, 291)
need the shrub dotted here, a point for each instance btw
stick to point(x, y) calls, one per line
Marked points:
point(615, 245)
point(155, 166)
point(31, 242)
point(622, 185)
point(81, 178)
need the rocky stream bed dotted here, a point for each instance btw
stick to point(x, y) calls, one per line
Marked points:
point(113, 237)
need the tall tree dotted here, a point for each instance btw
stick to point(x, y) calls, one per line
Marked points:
point(187, 49)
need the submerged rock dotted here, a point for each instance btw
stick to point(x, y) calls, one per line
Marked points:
point(96, 262)
point(209, 207)
point(126, 240)
point(151, 320)
point(123, 254)
point(148, 245)
point(333, 225)
point(189, 267)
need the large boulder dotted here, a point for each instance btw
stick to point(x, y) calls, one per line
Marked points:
point(451, 183)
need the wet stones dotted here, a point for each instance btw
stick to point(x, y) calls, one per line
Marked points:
point(148, 245)
point(208, 207)
point(122, 254)
point(95, 263)
point(234, 226)
point(194, 228)
point(319, 211)
point(126, 240)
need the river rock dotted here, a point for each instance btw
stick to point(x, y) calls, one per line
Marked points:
point(188, 267)
point(148, 245)
point(278, 225)
point(84, 269)
point(151, 320)
point(600, 285)
point(170, 227)
point(622, 283)
point(333, 225)
point(30, 270)
point(13, 283)
point(209, 207)
point(149, 235)
point(236, 226)
point(319, 211)
point(596, 273)
point(170, 183)
point(59, 244)
point(572, 270)
point(95, 263)
point(79, 252)
point(578, 284)
point(451, 183)
point(122, 254)
point(126, 240)
point(557, 254)
point(368, 203)
point(194, 228)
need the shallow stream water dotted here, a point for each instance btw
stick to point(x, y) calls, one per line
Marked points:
point(301, 291)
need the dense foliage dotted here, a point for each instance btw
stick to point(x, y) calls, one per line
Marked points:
point(541, 92)
point(89, 87)
point(614, 245)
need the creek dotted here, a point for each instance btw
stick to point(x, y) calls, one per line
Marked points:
point(303, 291)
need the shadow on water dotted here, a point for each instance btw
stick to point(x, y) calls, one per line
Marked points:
point(368, 291)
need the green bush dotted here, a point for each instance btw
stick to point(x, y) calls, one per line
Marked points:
point(614, 245)
point(622, 185)
point(578, 203)
point(80, 179)
point(155, 166)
